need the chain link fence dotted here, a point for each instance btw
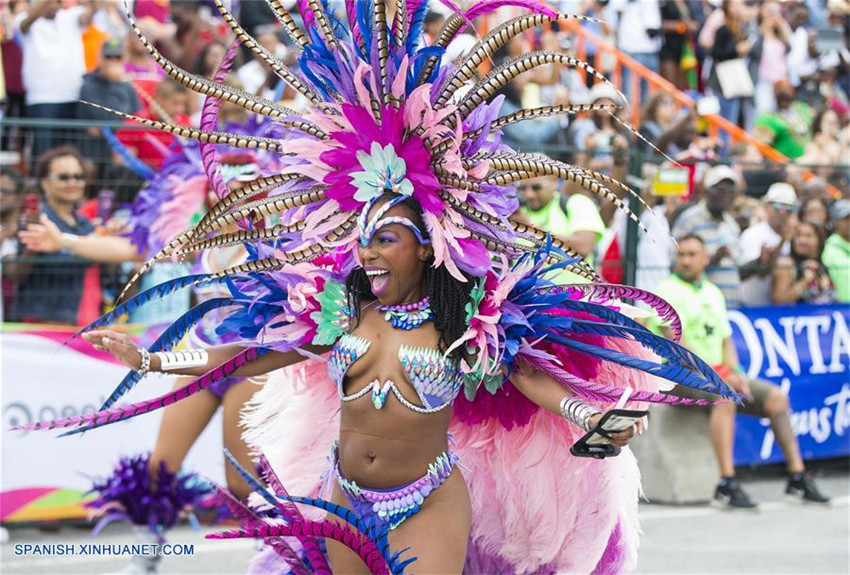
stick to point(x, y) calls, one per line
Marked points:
point(65, 289)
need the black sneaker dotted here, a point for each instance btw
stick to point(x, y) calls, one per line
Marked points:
point(730, 495)
point(802, 489)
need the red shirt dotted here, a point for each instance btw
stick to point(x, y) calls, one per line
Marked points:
point(149, 145)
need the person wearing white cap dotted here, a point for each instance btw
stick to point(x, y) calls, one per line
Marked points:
point(598, 135)
point(836, 252)
point(711, 220)
point(763, 243)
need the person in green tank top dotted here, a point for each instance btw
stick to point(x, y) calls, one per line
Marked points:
point(707, 332)
point(578, 222)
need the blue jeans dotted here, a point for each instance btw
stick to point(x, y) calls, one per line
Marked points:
point(46, 137)
point(730, 109)
point(650, 60)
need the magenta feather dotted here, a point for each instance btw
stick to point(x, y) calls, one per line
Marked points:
point(606, 393)
point(114, 415)
point(244, 514)
point(209, 121)
point(314, 553)
point(487, 6)
point(355, 541)
point(616, 291)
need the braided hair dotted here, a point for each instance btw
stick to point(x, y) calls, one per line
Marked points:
point(448, 295)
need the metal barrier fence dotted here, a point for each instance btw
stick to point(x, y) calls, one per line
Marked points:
point(56, 288)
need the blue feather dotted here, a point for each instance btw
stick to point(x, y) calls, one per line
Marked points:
point(418, 62)
point(417, 26)
point(364, 21)
point(675, 373)
point(340, 30)
point(154, 293)
point(138, 167)
point(304, 65)
point(250, 480)
point(667, 349)
point(169, 338)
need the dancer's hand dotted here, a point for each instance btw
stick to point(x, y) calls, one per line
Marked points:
point(619, 438)
point(118, 345)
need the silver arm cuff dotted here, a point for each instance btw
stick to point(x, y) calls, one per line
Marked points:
point(174, 360)
point(577, 411)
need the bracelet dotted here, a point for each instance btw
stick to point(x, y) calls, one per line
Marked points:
point(577, 411)
point(68, 243)
point(145, 367)
point(174, 360)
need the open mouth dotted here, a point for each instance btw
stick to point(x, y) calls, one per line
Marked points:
point(379, 279)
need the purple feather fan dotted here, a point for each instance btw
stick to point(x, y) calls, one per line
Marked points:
point(132, 496)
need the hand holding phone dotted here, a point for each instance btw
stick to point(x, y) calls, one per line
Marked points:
point(597, 442)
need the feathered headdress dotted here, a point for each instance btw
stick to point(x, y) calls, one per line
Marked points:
point(384, 115)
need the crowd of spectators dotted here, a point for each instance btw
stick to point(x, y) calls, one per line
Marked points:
point(775, 234)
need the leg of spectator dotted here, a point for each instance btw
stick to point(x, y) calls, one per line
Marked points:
point(66, 135)
point(730, 108)
point(777, 409)
point(42, 135)
point(722, 431)
point(626, 79)
point(651, 61)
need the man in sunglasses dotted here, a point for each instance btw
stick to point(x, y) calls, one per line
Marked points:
point(108, 87)
point(574, 219)
point(763, 243)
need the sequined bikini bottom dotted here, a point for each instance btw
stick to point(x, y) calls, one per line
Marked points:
point(221, 387)
point(390, 507)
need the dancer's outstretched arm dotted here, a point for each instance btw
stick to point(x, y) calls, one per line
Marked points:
point(546, 392)
point(122, 348)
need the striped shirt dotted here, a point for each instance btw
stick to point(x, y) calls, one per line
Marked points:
point(716, 234)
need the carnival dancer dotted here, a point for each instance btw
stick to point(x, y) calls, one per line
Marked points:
point(401, 264)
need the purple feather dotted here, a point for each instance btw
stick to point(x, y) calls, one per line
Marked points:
point(131, 494)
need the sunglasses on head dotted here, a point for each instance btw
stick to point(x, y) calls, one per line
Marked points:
point(534, 187)
point(69, 177)
point(783, 207)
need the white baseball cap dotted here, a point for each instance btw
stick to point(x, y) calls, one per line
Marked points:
point(781, 193)
point(717, 174)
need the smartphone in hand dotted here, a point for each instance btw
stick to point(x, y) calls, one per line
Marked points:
point(597, 442)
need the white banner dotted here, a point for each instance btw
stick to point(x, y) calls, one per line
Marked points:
point(42, 380)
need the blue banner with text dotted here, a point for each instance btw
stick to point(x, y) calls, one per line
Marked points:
point(805, 350)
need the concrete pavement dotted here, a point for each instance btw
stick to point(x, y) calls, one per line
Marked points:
point(782, 538)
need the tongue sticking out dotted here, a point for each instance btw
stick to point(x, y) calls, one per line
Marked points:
point(380, 284)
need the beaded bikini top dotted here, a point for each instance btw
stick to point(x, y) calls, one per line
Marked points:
point(436, 379)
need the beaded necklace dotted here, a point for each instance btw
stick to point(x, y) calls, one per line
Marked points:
point(408, 316)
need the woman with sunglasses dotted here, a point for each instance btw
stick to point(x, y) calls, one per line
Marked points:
point(50, 286)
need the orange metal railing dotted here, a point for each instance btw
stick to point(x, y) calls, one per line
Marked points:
point(716, 123)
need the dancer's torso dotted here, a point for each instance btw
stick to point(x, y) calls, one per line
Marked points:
point(394, 444)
